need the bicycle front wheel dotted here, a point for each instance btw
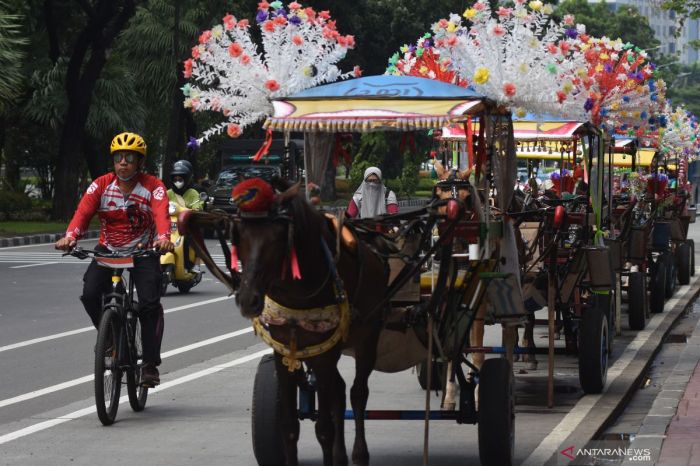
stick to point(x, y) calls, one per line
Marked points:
point(137, 393)
point(108, 376)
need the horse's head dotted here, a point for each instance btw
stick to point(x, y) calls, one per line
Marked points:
point(263, 235)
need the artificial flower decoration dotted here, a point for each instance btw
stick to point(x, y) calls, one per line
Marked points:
point(424, 61)
point(680, 137)
point(620, 85)
point(520, 57)
point(232, 74)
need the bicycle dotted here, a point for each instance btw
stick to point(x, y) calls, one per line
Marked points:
point(119, 346)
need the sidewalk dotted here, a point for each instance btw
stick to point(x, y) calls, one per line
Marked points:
point(41, 238)
point(681, 446)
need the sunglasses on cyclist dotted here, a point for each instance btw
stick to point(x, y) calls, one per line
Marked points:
point(130, 157)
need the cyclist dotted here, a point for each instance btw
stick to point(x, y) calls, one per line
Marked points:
point(133, 211)
point(184, 194)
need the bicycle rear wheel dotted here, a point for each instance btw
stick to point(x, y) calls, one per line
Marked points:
point(108, 376)
point(137, 393)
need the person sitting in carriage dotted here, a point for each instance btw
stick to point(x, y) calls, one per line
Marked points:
point(372, 198)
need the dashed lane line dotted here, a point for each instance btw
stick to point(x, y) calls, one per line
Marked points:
point(164, 386)
point(88, 378)
point(55, 336)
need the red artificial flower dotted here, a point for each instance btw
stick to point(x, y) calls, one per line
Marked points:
point(272, 85)
point(565, 47)
point(233, 130)
point(442, 23)
point(325, 14)
point(229, 21)
point(297, 40)
point(263, 5)
point(509, 89)
point(243, 23)
point(552, 48)
point(310, 13)
point(342, 41)
point(280, 20)
point(205, 36)
point(294, 6)
point(561, 97)
point(245, 59)
point(269, 26)
point(452, 41)
point(235, 50)
point(351, 40)
point(188, 68)
point(195, 52)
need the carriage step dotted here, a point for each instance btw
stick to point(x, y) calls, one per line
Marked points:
point(404, 415)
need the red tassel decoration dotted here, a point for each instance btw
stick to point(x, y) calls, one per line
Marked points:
point(296, 273)
point(234, 259)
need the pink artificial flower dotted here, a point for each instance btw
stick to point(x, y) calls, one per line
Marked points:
point(552, 48)
point(263, 5)
point(226, 112)
point(442, 23)
point(297, 40)
point(233, 130)
point(479, 6)
point(229, 21)
point(439, 43)
point(476, 42)
point(188, 68)
point(325, 14)
point(351, 40)
point(565, 47)
point(294, 6)
point(216, 104)
point(310, 13)
point(331, 24)
point(357, 71)
point(342, 41)
point(272, 85)
point(509, 89)
point(245, 59)
point(280, 20)
point(451, 41)
point(205, 36)
point(243, 23)
point(195, 104)
point(235, 50)
point(499, 30)
point(569, 20)
point(195, 52)
point(504, 11)
point(269, 26)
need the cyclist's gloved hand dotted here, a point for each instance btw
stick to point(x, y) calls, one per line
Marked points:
point(164, 245)
point(66, 244)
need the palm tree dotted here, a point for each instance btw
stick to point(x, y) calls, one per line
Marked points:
point(11, 55)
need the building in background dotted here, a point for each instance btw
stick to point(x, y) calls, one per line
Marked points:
point(664, 24)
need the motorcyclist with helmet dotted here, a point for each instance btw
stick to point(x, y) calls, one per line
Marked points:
point(133, 211)
point(183, 194)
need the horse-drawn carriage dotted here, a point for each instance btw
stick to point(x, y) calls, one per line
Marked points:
point(343, 291)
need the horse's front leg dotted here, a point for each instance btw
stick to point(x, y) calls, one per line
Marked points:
point(365, 358)
point(330, 389)
point(289, 420)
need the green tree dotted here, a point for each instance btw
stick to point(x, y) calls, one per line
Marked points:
point(12, 44)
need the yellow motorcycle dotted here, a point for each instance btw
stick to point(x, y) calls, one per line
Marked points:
point(173, 263)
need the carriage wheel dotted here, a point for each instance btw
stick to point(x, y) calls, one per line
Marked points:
point(691, 243)
point(637, 307)
point(683, 263)
point(593, 346)
point(496, 413)
point(267, 436)
point(658, 287)
point(671, 271)
point(435, 377)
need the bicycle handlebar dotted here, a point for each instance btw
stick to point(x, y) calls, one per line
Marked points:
point(82, 253)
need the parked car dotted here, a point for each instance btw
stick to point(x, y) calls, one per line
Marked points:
point(219, 195)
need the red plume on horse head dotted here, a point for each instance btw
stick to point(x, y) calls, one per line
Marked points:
point(253, 195)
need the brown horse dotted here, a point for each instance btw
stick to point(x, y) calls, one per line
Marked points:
point(265, 245)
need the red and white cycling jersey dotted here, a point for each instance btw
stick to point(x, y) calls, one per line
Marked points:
point(141, 217)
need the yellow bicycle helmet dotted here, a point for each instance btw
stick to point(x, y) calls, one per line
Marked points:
point(128, 141)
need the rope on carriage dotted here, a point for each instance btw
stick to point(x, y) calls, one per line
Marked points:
point(291, 355)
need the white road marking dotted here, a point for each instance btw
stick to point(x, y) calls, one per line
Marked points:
point(552, 442)
point(33, 265)
point(87, 329)
point(164, 386)
point(88, 378)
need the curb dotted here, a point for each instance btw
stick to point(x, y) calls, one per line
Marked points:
point(42, 238)
point(611, 403)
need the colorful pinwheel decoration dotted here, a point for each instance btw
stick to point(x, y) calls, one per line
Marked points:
point(231, 74)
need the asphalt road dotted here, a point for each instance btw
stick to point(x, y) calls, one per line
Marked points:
point(201, 411)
